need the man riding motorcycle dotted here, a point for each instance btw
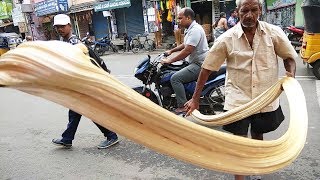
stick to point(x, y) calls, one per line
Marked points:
point(195, 47)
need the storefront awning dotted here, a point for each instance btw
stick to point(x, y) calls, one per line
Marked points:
point(81, 7)
point(112, 4)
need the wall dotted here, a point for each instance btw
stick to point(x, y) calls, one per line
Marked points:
point(299, 21)
point(36, 29)
point(281, 17)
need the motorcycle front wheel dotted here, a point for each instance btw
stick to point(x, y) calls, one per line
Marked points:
point(99, 49)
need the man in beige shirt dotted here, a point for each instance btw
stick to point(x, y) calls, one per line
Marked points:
point(251, 51)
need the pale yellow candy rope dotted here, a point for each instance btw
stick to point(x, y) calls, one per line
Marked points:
point(243, 111)
point(61, 73)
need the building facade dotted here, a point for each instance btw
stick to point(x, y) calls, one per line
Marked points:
point(114, 18)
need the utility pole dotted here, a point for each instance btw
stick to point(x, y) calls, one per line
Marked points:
point(27, 9)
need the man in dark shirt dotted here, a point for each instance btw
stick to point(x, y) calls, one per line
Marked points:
point(62, 25)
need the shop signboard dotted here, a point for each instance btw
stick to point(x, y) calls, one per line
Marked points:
point(275, 4)
point(5, 9)
point(112, 4)
point(17, 15)
point(51, 6)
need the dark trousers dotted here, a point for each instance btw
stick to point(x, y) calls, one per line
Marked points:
point(74, 119)
point(185, 75)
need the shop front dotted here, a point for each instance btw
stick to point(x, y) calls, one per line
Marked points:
point(82, 15)
point(162, 17)
point(203, 11)
point(130, 20)
point(121, 16)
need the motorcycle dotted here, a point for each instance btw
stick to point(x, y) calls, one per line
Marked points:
point(96, 59)
point(88, 42)
point(152, 73)
point(295, 34)
point(103, 45)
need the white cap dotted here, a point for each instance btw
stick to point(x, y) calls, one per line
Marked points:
point(61, 19)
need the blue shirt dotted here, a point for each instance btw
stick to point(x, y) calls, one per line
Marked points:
point(232, 21)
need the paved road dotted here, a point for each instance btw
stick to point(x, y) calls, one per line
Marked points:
point(28, 123)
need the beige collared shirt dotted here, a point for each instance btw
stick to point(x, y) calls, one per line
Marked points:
point(250, 71)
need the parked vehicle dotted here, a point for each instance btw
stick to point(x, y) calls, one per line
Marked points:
point(136, 44)
point(103, 45)
point(96, 59)
point(294, 33)
point(8, 41)
point(87, 41)
point(152, 73)
point(310, 50)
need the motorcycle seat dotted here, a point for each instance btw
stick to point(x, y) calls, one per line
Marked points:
point(300, 27)
point(176, 67)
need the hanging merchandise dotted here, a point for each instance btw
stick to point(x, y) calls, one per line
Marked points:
point(151, 14)
point(159, 17)
point(169, 17)
point(169, 9)
point(174, 14)
point(178, 8)
point(158, 5)
point(156, 10)
point(171, 4)
point(161, 6)
point(176, 11)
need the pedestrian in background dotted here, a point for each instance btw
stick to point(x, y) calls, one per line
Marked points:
point(233, 19)
point(28, 38)
point(62, 25)
point(250, 50)
point(220, 26)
